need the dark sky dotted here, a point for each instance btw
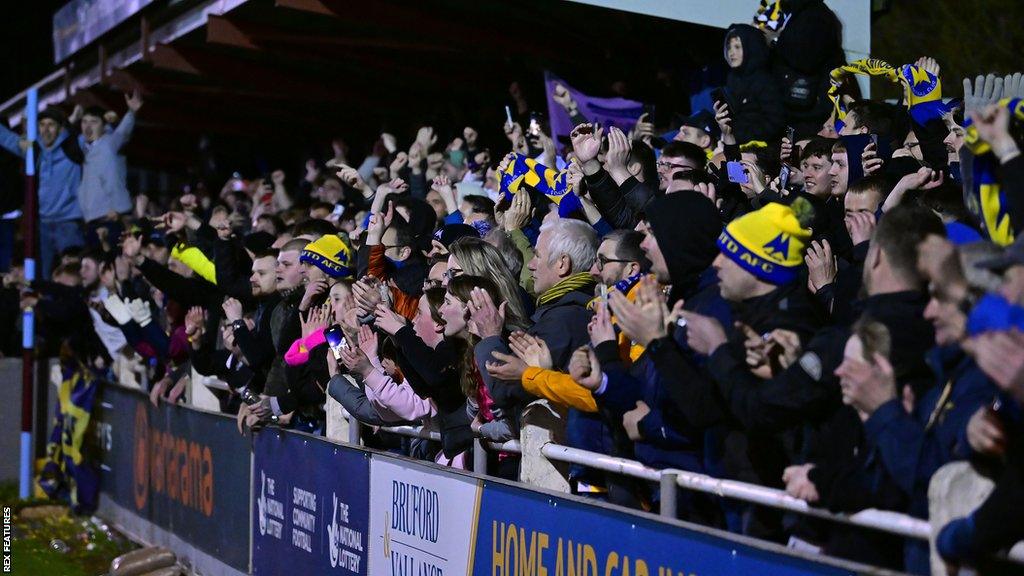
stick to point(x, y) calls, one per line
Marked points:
point(27, 44)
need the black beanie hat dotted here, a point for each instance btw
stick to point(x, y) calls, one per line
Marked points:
point(257, 242)
point(686, 225)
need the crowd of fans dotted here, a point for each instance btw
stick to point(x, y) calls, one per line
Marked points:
point(818, 295)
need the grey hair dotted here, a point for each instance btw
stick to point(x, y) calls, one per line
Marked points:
point(980, 278)
point(573, 238)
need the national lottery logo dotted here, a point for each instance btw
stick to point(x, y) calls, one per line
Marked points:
point(261, 504)
point(344, 543)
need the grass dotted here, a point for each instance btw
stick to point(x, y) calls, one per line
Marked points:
point(90, 545)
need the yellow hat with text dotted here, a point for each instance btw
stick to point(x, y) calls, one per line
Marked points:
point(770, 242)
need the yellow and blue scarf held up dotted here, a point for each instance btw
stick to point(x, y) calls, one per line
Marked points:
point(548, 181)
point(987, 200)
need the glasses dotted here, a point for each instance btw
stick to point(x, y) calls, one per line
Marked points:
point(670, 165)
point(452, 273)
point(603, 261)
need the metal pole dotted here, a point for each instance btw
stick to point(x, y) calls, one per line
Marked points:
point(668, 493)
point(28, 316)
point(479, 457)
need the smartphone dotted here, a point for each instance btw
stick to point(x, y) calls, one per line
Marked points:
point(336, 340)
point(791, 135)
point(534, 125)
point(508, 116)
point(784, 177)
point(385, 293)
point(718, 95)
point(737, 172)
point(874, 140)
point(604, 293)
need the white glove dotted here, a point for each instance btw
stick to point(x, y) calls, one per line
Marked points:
point(122, 315)
point(140, 311)
point(985, 91)
point(1013, 85)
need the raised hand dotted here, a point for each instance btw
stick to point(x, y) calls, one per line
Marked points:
point(600, 327)
point(586, 142)
point(401, 161)
point(232, 309)
point(704, 334)
point(366, 294)
point(993, 125)
point(631, 421)
point(866, 385)
point(426, 138)
point(313, 290)
point(617, 156)
point(195, 321)
point(531, 350)
point(585, 369)
point(388, 320)
point(724, 120)
point(929, 64)
point(643, 320)
point(821, 265)
point(519, 212)
point(368, 343)
point(985, 91)
point(356, 361)
point(485, 319)
point(870, 161)
point(644, 129)
point(134, 100)
point(315, 319)
point(508, 367)
point(860, 225)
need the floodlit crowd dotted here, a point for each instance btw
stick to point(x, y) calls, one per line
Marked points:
point(795, 287)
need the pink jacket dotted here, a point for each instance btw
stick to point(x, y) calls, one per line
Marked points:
point(397, 398)
point(298, 352)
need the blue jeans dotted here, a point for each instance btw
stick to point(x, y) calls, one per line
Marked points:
point(55, 237)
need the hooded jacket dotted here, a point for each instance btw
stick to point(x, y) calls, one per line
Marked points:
point(755, 100)
point(686, 225)
point(59, 176)
point(807, 49)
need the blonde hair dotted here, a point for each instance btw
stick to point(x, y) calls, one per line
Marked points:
point(478, 258)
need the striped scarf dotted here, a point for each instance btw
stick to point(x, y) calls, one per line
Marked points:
point(574, 282)
point(922, 89)
point(986, 199)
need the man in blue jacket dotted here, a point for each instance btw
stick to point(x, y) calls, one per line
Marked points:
point(59, 169)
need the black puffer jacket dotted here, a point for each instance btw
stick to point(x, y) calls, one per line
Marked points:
point(808, 48)
point(754, 96)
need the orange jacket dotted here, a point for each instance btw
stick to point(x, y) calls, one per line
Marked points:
point(403, 303)
point(558, 387)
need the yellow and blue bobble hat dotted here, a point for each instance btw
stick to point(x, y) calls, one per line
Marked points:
point(770, 242)
point(331, 254)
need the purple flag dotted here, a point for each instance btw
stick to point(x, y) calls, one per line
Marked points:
point(618, 112)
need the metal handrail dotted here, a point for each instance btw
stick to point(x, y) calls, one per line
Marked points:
point(883, 520)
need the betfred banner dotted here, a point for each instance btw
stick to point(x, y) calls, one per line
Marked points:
point(522, 533)
point(310, 506)
point(422, 520)
point(183, 470)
